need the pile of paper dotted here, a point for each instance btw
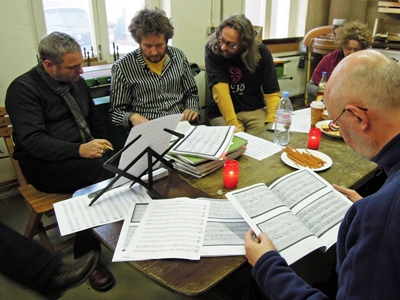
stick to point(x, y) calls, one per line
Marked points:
point(205, 149)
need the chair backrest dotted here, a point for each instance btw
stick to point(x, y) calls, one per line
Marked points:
point(6, 131)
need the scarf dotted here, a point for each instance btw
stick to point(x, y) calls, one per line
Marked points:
point(63, 91)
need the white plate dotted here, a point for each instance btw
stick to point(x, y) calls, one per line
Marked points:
point(331, 134)
point(318, 154)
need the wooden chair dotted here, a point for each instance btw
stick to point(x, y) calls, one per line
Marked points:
point(39, 203)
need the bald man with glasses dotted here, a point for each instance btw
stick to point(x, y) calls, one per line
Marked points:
point(368, 257)
point(241, 75)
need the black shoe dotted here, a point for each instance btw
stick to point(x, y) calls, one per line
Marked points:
point(101, 279)
point(69, 275)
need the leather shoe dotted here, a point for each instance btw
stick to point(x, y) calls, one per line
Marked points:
point(101, 279)
point(68, 275)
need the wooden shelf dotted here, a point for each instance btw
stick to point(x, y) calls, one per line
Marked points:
point(389, 7)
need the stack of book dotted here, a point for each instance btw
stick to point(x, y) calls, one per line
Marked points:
point(199, 166)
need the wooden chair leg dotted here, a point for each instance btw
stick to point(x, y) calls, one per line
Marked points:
point(33, 222)
point(41, 231)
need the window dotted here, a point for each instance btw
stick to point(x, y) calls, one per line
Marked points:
point(100, 27)
point(279, 18)
point(119, 14)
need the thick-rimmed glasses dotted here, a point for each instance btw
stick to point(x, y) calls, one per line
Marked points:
point(228, 44)
point(332, 125)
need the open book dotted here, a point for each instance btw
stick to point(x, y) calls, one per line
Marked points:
point(299, 212)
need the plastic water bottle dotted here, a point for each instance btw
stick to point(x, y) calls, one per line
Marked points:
point(283, 120)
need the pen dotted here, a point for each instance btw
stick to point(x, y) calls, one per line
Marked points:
point(111, 148)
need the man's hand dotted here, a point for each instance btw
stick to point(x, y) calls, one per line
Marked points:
point(256, 247)
point(136, 119)
point(95, 148)
point(190, 115)
point(351, 194)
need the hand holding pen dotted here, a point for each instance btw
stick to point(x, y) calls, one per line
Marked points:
point(95, 148)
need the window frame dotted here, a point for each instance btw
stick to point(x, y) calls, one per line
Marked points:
point(99, 24)
point(295, 21)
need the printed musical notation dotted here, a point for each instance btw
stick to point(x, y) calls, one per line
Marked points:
point(299, 212)
point(170, 228)
point(205, 141)
point(223, 235)
point(75, 215)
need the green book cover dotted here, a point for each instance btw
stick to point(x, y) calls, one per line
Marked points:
point(237, 143)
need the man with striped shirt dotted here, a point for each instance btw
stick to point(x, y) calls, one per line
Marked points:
point(155, 80)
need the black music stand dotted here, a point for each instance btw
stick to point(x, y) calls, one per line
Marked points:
point(150, 163)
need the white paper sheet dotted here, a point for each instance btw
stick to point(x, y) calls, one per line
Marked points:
point(75, 215)
point(223, 236)
point(170, 228)
point(225, 230)
point(152, 135)
point(258, 148)
point(210, 142)
point(301, 121)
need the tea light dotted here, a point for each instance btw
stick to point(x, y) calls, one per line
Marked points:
point(314, 138)
point(231, 174)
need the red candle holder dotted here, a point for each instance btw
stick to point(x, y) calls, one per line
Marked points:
point(314, 138)
point(231, 174)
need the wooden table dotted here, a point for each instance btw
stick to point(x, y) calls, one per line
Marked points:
point(193, 278)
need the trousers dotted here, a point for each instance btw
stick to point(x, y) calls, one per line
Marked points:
point(24, 260)
point(64, 176)
point(248, 119)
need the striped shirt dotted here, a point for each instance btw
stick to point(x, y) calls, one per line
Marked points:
point(136, 89)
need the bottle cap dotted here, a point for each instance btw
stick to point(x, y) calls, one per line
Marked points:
point(285, 94)
point(324, 73)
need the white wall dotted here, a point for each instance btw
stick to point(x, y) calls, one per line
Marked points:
point(18, 53)
point(18, 39)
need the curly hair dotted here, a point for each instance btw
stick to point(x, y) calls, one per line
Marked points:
point(150, 21)
point(54, 45)
point(357, 31)
point(239, 22)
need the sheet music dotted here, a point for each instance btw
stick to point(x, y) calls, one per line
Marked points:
point(258, 148)
point(75, 215)
point(225, 230)
point(170, 228)
point(205, 141)
point(153, 136)
point(223, 235)
point(300, 212)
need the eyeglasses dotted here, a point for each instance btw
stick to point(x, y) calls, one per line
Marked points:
point(228, 44)
point(332, 125)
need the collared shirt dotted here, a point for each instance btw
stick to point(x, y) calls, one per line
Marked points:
point(136, 89)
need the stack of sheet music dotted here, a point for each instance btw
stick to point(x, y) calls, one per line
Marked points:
point(205, 149)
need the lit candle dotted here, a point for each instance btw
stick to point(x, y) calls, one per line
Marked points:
point(231, 174)
point(314, 137)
